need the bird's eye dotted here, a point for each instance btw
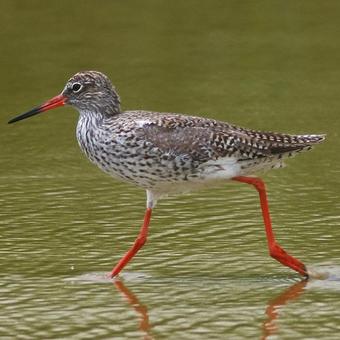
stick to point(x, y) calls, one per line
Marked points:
point(76, 87)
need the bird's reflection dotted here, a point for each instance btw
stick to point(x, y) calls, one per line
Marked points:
point(272, 310)
point(142, 310)
point(269, 326)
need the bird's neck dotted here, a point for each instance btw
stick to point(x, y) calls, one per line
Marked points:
point(96, 114)
point(90, 117)
point(111, 106)
point(104, 107)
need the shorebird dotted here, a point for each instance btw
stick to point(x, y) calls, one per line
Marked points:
point(168, 153)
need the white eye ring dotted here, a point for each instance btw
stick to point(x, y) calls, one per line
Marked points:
point(76, 87)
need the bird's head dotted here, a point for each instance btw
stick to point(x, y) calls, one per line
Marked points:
point(90, 92)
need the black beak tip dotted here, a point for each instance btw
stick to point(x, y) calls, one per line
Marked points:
point(13, 120)
point(50, 104)
point(25, 115)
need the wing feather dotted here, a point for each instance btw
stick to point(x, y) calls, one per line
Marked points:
point(204, 139)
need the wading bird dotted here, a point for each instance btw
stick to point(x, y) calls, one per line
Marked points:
point(168, 153)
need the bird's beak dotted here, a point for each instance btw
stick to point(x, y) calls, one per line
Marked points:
point(50, 104)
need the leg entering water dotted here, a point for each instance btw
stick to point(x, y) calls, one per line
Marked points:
point(139, 242)
point(275, 250)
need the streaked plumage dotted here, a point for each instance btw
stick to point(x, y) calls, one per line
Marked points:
point(171, 153)
point(167, 153)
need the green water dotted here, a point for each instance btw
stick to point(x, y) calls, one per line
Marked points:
point(205, 272)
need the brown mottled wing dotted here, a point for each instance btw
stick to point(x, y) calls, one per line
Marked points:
point(255, 144)
point(204, 139)
point(194, 142)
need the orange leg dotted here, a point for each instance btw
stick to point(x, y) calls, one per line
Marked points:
point(275, 250)
point(139, 242)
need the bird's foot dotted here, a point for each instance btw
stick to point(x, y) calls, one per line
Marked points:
point(283, 257)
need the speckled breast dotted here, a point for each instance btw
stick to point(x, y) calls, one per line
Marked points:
point(122, 152)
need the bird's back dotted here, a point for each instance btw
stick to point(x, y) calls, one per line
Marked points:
point(154, 149)
point(203, 137)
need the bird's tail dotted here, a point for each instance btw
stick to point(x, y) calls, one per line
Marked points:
point(295, 143)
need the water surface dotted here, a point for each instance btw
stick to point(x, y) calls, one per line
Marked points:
point(205, 272)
